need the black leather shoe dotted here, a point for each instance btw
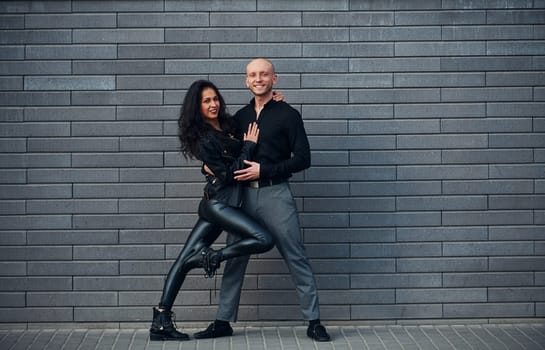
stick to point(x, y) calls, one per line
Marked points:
point(215, 330)
point(318, 333)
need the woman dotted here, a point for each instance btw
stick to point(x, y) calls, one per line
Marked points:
point(207, 134)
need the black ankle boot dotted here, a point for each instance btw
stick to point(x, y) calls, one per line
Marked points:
point(211, 261)
point(163, 328)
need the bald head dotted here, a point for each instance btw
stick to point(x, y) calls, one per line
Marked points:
point(260, 78)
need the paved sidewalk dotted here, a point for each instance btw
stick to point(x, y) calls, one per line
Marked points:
point(474, 337)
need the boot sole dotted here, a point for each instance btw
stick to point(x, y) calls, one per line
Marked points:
point(162, 337)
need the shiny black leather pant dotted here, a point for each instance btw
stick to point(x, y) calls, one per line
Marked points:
point(214, 217)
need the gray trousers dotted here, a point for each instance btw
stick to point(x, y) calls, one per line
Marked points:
point(273, 207)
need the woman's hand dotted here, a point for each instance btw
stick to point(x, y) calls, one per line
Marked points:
point(278, 96)
point(252, 134)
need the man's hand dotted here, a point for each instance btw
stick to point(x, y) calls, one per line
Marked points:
point(250, 173)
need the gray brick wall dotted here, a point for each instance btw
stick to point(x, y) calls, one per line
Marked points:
point(426, 196)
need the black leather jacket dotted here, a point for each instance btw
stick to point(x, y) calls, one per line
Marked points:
point(223, 153)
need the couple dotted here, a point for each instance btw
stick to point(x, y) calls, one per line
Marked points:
point(251, 200)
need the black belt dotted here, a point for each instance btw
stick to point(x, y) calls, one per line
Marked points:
point(264, 182)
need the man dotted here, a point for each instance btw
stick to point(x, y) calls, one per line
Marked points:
point(282, 150)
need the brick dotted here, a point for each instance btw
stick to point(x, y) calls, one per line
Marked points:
point(43, 299)
point(97, 160)
point(35, 129)
point(514, 233)
point(11, 83)
point(488, 279)
point(149, 144)
point(35, 67)
point(253, 50)
point(441, 203)
point(358, 5)
point(70, 83)
point(348, 50)
point(72, 145)
point(210, 35)
point(488, 187)
point(487, 125)
point(438, 79)
point(515, 48)
point(256, 19)
point(394, 127)
point(34, 160)
point(35, 191)
point(485, 64)
point(44, 36)
point(147, 112)
point(12, 268)
point(326, 235)
point(12, 299)
point(516, 171)
point(486, 156)
point(121, 252)
point(285, 282)
point(488, 32)
point(440, 17)
point(69, 113)
point(117, 221)
point(16, 52)
point(323, 127)
point(329, 220)
point(487, 248)
point(55, 314)
point(399, 311)
point(70, 237)
point(450, 48)
point(486, 4)
point(395, 250)
point(398, 280)
point(517, 140)
point(151, 20)
point(36, 253)
point(441, 295)
point(12, 22)
point(514, 78)
point(489, 310)
point(13, 238)
point(486, 94)
point(352, 111)
point(115, 6)
point(302, 6)
point(119, 67)
point(74, 20)
point(397, 33)
point(395, 157)
point(11, 114)
point(158, 205)
point(36, 176)
point(394, 95)
point(145, 51)
point(34, 98)
point(443, 234)
point(159, 175)
point(72, 268)
point(346, 80)
point(13, 176)
point(70, 206)
point(443, 141)
point(395, 219)
point(395, 188)
point(445, 264)
point(148, 82)
point(516, 294)
point(451, 172)
point(92, 36)
point(527, 263)
point(517, 202)
point(516, 16)
point(13, 145)
point(351, 142)
point(496, 217)
point(36, 283)
point(442, 110)
point(348, 204)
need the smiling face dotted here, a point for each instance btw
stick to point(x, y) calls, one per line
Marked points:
point(260, 77)
point(210, 106)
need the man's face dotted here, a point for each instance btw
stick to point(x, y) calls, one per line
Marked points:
point(260, 77)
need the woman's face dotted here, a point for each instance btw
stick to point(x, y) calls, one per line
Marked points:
point(210, 105)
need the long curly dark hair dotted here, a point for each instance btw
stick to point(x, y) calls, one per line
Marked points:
point(191, 123)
